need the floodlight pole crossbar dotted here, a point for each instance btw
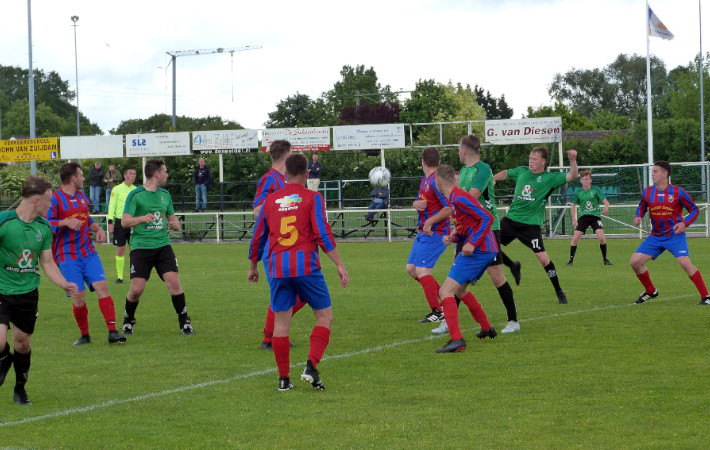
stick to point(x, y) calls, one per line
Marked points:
point(209, 51)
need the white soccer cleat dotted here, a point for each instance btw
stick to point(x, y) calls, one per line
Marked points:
point(441, 329)
point(511, 327)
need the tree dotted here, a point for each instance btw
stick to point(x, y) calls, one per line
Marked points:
point(162, 123)
point(294, 111)
point(47, 123)
point(357, 86)
point(571, 120)
point(495, 108)
point(370, 113)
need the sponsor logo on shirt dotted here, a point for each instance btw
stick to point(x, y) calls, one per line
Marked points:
point(289, 202)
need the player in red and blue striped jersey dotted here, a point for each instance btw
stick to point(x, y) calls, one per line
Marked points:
point(434, 215)
point(271, 181)
point(472, 225)
point(664, 203)
point(75, 254)
point(292, 222)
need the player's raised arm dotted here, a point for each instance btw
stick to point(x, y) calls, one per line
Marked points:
point(573, 171)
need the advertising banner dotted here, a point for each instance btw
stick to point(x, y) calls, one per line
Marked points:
point(90, 147)
point(359, 137)
point(158, 144)
point(524, 131)
point(315, 139)
point(225, 141)
point(23, 150)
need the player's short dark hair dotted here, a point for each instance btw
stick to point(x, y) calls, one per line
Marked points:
point(35, 185)
point(431, 157)
point(470, 142)
point(665, 165)
point(585, 173)
point(67, 171)
point(278, 149)
point(296, 165)
point(152, 166)
point(125, 171)
point(446, 173)
point(542, 151)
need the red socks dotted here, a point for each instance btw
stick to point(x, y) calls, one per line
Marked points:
point(269, 324)
point(697, 279)
point(108, 311)
point(476, 311)
point(81, 314)
point(320, 336)
point(282, 354)
point(431, 291)
point(451, 314)
point(645, 279)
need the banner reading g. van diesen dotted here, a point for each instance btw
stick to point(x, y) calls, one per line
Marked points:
point(22, 150)
point(524, 131)
point(158, 144)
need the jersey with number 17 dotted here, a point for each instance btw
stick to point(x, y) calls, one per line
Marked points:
point(294, 222)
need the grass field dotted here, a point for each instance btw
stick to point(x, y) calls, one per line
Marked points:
point(599, 372)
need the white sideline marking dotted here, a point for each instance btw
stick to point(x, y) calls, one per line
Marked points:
point(106, 404)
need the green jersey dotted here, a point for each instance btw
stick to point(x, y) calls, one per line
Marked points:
point(588, 201)
point(159, 203)
point(531, 192)
point(117, 203)
point(21, 244)
point(479, 176)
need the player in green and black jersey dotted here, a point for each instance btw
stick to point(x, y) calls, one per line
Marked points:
point(590, 215)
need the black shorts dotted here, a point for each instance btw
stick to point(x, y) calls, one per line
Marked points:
point(120, 234)
point(144, 259)
point(529, 235)
point(499, 256)
point(21, 310)
point(587, 221)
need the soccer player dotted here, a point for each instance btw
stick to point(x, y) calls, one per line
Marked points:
point(293, 223)
point(433, 211)
point(472, 225)
point(116, 205)
point(149, 211)
point(25, 243)
point(476, 178)
point(271, 181)
point(588, 199)
point(525, 217)
point(75, 254)
point(664, 203)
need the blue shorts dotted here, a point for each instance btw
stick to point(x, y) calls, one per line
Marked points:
point(426, 250)
point(83, 270)
point(653, 246)
point(310, 288)
point(465, 269)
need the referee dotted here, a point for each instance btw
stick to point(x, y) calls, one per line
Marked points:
point(115, 210)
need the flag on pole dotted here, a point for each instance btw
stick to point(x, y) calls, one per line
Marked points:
point(656, 27)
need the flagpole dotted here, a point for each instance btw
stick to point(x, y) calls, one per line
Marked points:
point(648, 94)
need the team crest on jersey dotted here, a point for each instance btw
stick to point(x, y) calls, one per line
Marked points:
point(539, 179)
point(39, 236)
point(670, 198)
point(289, 202)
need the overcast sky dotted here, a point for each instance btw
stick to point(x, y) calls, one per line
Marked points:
point(509, 47)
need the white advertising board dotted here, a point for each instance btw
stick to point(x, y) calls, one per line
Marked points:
point(524, 131)
point(225, 141)
point(315, 139)
point(91, 147)
point(358, 137)
point(158, 144)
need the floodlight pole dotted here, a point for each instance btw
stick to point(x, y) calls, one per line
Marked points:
point(75, 19)
point(33, 132)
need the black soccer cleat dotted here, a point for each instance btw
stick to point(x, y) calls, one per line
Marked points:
point(118, 281)
point(311, 375)
point(5, 365)
point(434, 316)
point(452, 346)
point(185, 324)
point(84, 339)
point(646, 296)
point(266, 346)
point(20, 396)
point(569, 264)
point(515, 270)
point(561, 297)
point(114, 337)
point(704, 301)
point(285, 384)
point(608, 263)
point(489, 333)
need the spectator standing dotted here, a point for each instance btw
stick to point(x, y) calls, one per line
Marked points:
point(113, 177)
point(314, 169)
point(96, 181)
point(203, 183)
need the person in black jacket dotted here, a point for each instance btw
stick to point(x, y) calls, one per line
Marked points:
point(203, 183)
point(380, 200)
point(96, 181)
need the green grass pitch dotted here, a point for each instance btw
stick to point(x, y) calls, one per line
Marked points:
point(599, 372)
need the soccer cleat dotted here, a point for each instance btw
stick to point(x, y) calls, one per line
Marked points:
point(561, 297)
point(185, 324)
point(511, 327)
point(20, 396)
point(84, 339)
point(515, 270)
point(646, 296)
point(285, 384)
point(569, 264)
point(433, 317)
point(128, 325)
point(187, 329)
point(452, 346)
point(704, 301)
point(266, 346)
point(5, 365)
point(118, 281)
point(491, 333)
point(608, 263)
point(115, 337)
point(441, 329)
point(311, 375)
